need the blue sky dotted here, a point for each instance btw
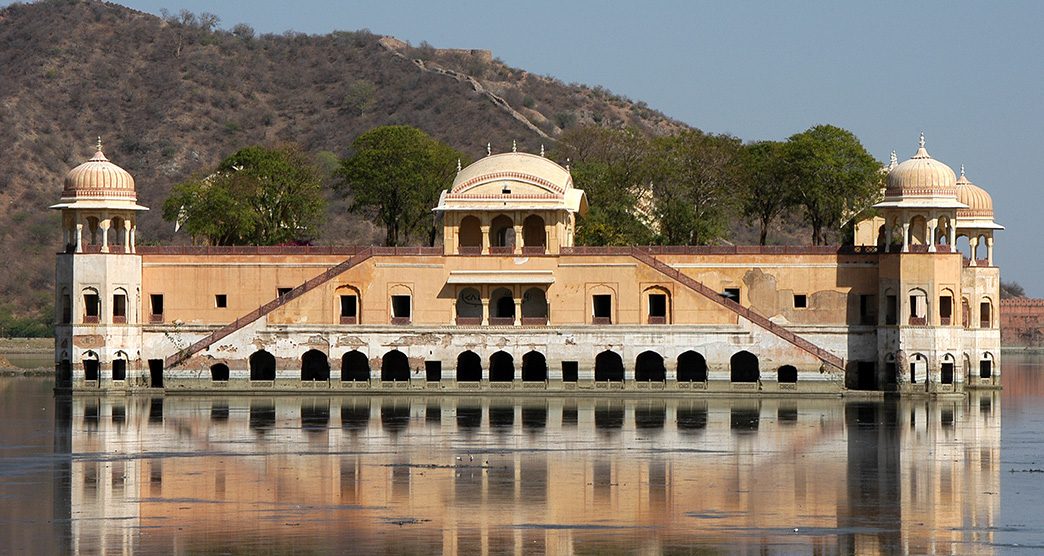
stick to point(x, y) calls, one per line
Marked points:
point(971, 75)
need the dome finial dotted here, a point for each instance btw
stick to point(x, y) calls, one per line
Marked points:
point(99, 149)
point(962, 169)
point(893, 160)
point(541, 150)
point(514, 146)
point(489, 149)
point(458, 165)
point(920, 142)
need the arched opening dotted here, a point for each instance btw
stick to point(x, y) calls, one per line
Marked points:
point(469, 236)
point(262, 366)
point(534, 236)
point(91, 366)
point(609, 366)
point(918, 368)
point(787, 374)
point(502, 234)
point(119, 306)
point(918, 231)
point(534, 307)
point(219, 372)
point(985, 313)
point(469, 307)
point(657, 303)
point(692, 367)
point(891, 370)
point(501, 367)
point(355, 367)
point(986, 366)
point(501, 307)
point(744, 367)
point(315, 366)
point(116, 243)
point(947, 369)
point(469, 367)
point(91, 306)
point(395, 366)
point(119, 366)
point(942, 234)
point(918, 307)
point(648, 367)
point(534, 367)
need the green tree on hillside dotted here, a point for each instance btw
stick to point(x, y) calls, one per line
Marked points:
point(613, 167)
point(831, 175)
point(697, 176)
point(256, 196)
point(765, 195)
point(398, 172)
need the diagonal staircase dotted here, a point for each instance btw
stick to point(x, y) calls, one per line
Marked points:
point(267, 308)
point(758, 320)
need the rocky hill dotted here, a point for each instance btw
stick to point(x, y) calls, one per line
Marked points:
point(171, 96)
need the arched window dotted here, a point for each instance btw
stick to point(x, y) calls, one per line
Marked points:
point(692, 367)
point(91, 366)
point(348, 304)
point(469, 236)
point(534, 236)
point(469, 307)
point(986, 366)
point(918, 231)
point(315, 366)
point(609, 366)
point(648, 367)
point(119, 366)
point(395, 366)
point(119, 306)
point(262, 366)
point(219, 372)
point(66, 307)
point(602, 304)
point(355, 367)
point(469, 367)
point(946, 308)
point(502, 234)
point(787, 374)
point(91, 306)
point(918, 307)
point(501, 367)
point(657, 302)
point(534, 367)
point(918, 368)
point(985, 313)
point(501, 307)
point(947, 369)
point(744, 367)
point(534, 307)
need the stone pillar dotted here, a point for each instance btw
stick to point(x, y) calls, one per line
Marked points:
point(906, 237)
point(953, 238)
point(888, 238)
point(485, 311)
point(989, 250)
point(518, 238)
point(126, 237)
point(79, 238)
point(518, 310)
point(932, 229)
point(104, 225)
point(973, 245)
point(133, 240)
point(485, 238)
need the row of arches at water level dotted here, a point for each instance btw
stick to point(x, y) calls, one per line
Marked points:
point(501, 366)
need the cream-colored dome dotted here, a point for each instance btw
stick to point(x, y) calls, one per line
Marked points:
point(514, 167)
point(980, 205)
point(99, 179)
point(922, 175)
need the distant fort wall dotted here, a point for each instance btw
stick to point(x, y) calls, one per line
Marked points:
point(1022, 322)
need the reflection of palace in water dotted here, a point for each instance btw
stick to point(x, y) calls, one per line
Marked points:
point(491, 475)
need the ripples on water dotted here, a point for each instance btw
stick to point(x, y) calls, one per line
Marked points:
point(516, 475)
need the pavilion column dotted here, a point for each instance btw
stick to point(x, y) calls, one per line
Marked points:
point(973, 244)
point(126, 237)
point(906, 237)
point(989, 250)
point(953, 238)
point(79, 238)
point(518, 310)
point(133, 239)
point(932, 228)
point(518, 239)
point(485, 238)
point(888, 238)
point(485, 312)
point(104, 225)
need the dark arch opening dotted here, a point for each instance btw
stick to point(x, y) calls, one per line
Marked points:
point(355, 366)
point(395, 366)
point(692, 367)
point(262, 366)
point(744, 367)
point(219, 372)
point(609, 366)
point(534, 367)
point(315, 365)
point(787, 373)
point(648, 367)
point(469, 367)
point(501, 367)
point(470, 234)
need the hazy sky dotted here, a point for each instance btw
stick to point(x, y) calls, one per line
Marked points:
point(970, 75)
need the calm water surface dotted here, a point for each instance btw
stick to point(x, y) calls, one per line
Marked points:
point(368, 474)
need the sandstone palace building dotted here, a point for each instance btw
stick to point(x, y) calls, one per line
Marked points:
point(509, 302)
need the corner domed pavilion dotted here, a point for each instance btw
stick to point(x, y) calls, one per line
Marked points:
point(975, 222)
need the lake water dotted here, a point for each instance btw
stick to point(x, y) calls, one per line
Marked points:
point(384, 474)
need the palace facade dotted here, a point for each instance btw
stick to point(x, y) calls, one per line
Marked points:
point(508, 302)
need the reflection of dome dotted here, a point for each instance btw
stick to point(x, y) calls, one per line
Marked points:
point(978, 200)
point(921, 175)
point(99, 179)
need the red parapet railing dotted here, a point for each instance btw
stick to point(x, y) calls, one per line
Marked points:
point(918, 321)
point(534, 321)
point(400, 320)
point(469, 321)
point(601, 320)
point(657, 320)
point(501, 321)
point(724, 250)
point(501, 250)
point(119, 319)
point(534, 250)
point(349, 320)
point(91, 319)
point(469, 250)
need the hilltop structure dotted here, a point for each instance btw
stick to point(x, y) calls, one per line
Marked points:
point(509, 302)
